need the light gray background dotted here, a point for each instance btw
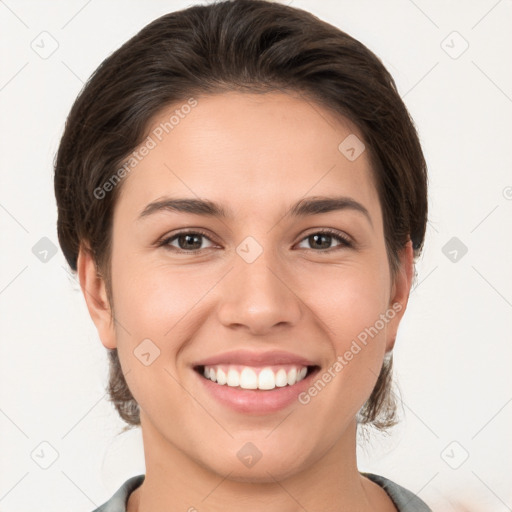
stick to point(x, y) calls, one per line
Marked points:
point(453, 353)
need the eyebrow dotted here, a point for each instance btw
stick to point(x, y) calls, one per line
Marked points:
point(315, 205)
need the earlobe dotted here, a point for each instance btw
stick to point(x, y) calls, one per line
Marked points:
point(94, 291)
point(400, 293)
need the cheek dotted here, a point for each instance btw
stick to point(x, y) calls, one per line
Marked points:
point(351, 303)
point(154, 310)
point(151, 300)
point(348, 299)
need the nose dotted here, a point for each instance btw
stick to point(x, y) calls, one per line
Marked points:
point(259, 296)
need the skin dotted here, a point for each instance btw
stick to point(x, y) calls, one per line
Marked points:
point(257, 155)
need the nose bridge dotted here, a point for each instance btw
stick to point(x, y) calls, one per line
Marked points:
point(257, 268)
point(256, 293)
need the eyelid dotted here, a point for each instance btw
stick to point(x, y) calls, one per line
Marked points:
point(344, 240)
point(164, 241)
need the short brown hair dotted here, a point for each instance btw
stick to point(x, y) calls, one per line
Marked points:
point(242, 45)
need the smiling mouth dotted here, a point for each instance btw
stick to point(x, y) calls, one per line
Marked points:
point(264, 378)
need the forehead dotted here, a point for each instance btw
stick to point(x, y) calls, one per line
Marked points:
point(253, 151)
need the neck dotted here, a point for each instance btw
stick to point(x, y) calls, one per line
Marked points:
point(174, 481)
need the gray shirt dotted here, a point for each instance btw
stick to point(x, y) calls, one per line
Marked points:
point(404, 500)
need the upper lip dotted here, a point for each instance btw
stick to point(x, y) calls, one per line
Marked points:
point(250, 358)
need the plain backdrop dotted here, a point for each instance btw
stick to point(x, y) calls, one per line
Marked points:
point(60, 440)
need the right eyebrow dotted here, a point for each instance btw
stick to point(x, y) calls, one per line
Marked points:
point(186, 205)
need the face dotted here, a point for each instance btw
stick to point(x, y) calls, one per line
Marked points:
point(255, 298)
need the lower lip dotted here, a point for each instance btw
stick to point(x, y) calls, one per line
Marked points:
point(256, 401)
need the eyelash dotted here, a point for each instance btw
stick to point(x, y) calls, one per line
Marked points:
point(345, 242)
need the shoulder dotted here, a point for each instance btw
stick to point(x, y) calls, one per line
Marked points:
point(404, 500)
point(118, 501)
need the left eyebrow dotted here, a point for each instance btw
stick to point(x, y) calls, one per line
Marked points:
point(315, 205)
point(319, 204)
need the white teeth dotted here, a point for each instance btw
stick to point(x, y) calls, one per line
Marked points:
point(292, 377)
point(249, 378)
point(221, 376)
point(281, 378)
point(233, 378)
point(266, 379)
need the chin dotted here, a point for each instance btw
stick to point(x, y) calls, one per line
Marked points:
point(265, 470)
point(264, 474)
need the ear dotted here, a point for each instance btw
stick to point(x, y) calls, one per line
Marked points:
point(95, 294)
point(399, 297)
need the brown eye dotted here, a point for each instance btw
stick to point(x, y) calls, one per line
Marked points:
point(187, 241)
point(322, 240)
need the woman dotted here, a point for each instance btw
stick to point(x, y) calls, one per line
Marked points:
point(242, 194)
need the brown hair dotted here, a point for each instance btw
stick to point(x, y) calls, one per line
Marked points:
point(243, 45)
